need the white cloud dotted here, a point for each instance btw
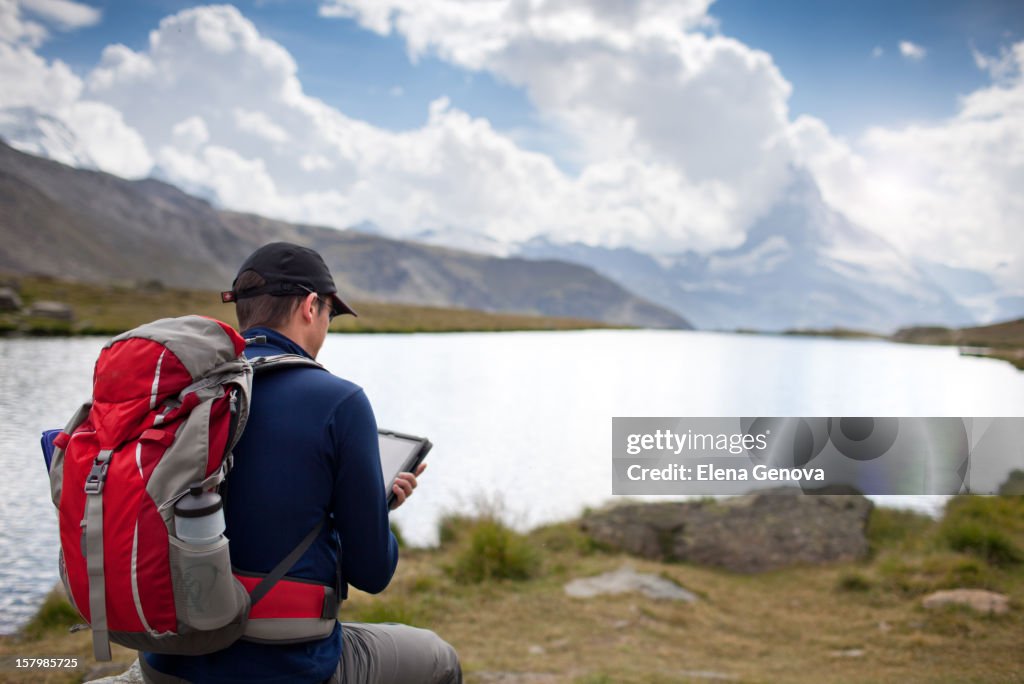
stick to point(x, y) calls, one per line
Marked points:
point(112, 146)
point(912, 51)
point(260, 125)
point(66, 14)
point(72, 130)
point(315, 162)
point(877, 51)
point(679, 138)
point(119, 62)
point(628, 83)
point(949, 190)
point(1002, 67)
point(30, 81)
point(16, 30)
point(638, 88)
point(190, 134)
point(217, 100)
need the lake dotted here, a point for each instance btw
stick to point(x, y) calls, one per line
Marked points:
point(520, 418)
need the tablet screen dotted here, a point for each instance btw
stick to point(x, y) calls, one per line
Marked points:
point(399, 453)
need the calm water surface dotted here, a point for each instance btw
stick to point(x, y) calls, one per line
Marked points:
point(520, 417)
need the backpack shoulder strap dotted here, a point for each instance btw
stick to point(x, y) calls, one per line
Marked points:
point(266, 364)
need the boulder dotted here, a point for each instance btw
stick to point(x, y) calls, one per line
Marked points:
point(133, 675)
point(625, 580)
point(57, 311)
point(976, 599)
point(751, 533)
point(9, 299)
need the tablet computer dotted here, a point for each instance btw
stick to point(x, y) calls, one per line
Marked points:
point(400, 453)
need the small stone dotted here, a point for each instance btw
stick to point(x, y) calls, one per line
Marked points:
point(624, 580)
point(9, 299)
point(976, 599)
point(884, 626)
point(849, 653)
point(57, 311)
point(707, 674)
point(133, 675)
point(536, 649)
point(516, 678)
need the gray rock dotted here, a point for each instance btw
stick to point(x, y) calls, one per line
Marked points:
point(625, 580)
point(516, 678)
point(133, 675)
point(9, 299)
point(707, 674)
point(976, 599)
point(752, 533)
point(57, 311)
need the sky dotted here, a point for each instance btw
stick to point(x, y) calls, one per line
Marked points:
point(664, 125)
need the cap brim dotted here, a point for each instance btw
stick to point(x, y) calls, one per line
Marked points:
point(338, 307)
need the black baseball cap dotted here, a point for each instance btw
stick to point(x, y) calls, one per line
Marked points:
point(289, 269)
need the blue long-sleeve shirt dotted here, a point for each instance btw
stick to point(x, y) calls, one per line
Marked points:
point(309, 451)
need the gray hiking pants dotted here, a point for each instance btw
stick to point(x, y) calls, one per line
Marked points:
point(377, 654)
point(395, 654)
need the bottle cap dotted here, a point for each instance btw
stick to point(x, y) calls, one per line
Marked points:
point(198, 503)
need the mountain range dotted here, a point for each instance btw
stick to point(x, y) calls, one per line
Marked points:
point(801, 266)
point(90, 225)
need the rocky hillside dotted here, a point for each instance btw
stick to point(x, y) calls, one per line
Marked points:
point(87, 225)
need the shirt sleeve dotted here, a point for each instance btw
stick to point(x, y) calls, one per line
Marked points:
point(369, 552)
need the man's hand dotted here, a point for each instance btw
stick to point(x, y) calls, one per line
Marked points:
point(404, 484)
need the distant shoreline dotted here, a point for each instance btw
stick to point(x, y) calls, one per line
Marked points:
point(50, 307)
point(1003, 341)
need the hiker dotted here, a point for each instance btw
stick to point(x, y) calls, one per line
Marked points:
point(308, 452)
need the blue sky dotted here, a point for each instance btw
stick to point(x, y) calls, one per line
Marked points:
point(339, 62)
point(663, 125)
point(823, 47)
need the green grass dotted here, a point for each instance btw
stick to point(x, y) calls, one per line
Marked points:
point(782, 626)
point(897, 528)
point(110, 309)
point(1003, 341)
point(1014, 484)
point(389, 610)
point(491, 550)
point(854, 581)
point(55, 616)
point(977, 543)
point(988, 527)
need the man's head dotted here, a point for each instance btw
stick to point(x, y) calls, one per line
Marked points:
point(286, 287)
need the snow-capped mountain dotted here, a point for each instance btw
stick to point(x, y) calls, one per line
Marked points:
point(34, 132)
point(467, 240)
point(802, 265)
point(976, 291)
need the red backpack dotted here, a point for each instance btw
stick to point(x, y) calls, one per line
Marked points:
point(170, 400)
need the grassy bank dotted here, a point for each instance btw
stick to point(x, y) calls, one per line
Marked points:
point(498, 597)
point(111, 309)
point(1003, 341)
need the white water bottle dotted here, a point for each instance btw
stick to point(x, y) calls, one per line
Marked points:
point(199, 517)
point(205, 595)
